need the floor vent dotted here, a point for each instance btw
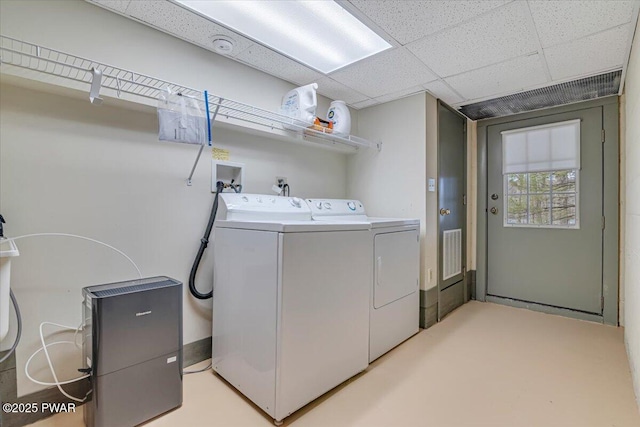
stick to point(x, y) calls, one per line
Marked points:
point(451, 253)
point(564, 93)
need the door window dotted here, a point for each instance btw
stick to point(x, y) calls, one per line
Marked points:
point(542, 199)
point(540, 166)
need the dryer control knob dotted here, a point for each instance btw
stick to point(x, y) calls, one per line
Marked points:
point(351, 205)
point(319, 205)
point(327, 205)
point(296, 202)
point(245, 199)
point(259, 199)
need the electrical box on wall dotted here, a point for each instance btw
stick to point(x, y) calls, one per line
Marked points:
point(230, 173)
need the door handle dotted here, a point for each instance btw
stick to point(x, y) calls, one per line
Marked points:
point(494, 210)
point(444, 211)
point(378, 269)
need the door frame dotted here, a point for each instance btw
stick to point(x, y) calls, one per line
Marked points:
point(465, 230)
point(610, 200)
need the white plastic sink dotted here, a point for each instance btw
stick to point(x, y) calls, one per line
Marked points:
point(8, 249)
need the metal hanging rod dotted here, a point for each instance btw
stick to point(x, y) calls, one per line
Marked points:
point(120, 81)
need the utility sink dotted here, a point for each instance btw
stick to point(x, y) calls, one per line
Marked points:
point(8, 250)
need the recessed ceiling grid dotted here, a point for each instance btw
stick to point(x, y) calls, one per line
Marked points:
point(463, 52)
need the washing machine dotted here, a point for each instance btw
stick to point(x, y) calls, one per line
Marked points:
point(394, 248)
point(290, 300)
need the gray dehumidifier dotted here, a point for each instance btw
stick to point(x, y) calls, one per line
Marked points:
point(132, 348)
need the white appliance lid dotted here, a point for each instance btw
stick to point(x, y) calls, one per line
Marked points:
point(352, 210)
point(393, 222)
point(288, 226)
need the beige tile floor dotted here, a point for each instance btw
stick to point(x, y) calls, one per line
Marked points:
point(484, 365)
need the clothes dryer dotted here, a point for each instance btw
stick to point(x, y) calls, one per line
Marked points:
point(394, 248)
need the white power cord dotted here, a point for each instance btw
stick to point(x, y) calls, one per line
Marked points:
point(44, 347)
point(81, 238)
point(206, 368)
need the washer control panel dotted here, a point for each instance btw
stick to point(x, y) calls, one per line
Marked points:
point(335, 207)
point(261, 207)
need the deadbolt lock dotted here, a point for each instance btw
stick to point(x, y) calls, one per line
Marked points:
point(494, 196)
point(494, 210)
point(444, 211)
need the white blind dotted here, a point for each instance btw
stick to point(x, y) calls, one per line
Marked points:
point(542, 148)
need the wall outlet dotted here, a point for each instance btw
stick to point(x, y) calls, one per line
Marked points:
point(281, 181)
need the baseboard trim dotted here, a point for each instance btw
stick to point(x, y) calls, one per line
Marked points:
point(545, 308)
point(428, 307)
point(471, 280)
point(196, 351)
point(428, 316)
point(635, 372)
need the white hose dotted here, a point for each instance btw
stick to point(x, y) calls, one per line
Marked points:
point(26, 367)
point(75, 236)
point(44, 347)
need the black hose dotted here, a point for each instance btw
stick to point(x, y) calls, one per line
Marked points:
point(19, 333)
point(203, 245)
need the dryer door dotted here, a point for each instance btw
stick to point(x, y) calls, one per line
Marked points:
point(396, 266)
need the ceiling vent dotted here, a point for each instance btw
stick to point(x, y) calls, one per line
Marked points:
point(545, 97)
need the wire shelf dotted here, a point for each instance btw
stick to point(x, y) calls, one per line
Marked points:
point(118, 81)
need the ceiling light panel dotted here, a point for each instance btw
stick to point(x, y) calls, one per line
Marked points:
point(319, 34)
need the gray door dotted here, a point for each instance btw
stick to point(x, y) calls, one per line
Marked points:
point(452, 210)
point(545, 239)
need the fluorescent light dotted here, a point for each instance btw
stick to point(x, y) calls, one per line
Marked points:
point(319, 34)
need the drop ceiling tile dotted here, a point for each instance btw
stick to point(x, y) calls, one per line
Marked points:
point(440, 90)
point(387, 72)
point(334, 90)
point(497, 36)
point(117, 5)
point(561, 21)
point(364, 104)
point(400, 94)
point(407, 21)
point(599, 52)
point(499, 79)
point(184, 24)
point(277, 65)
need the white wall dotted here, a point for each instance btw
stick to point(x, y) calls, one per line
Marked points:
point(68, 166)
point(632, 220)
point(392, 182)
